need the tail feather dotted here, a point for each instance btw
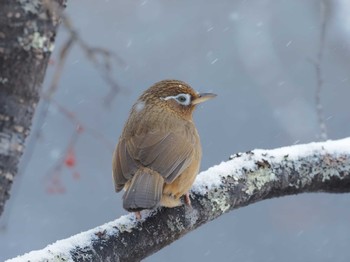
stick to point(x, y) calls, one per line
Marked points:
point(145, 190)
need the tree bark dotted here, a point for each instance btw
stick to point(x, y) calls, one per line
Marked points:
point(27, 34)
point(245, 179)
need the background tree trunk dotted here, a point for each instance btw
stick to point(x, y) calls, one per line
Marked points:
point(27, 34)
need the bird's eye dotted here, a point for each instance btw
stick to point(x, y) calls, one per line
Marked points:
point(183, 99)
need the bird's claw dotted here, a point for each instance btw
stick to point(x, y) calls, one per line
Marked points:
point(188, 199)
point(137, 215)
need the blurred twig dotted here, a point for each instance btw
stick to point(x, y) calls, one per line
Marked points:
point(53, 178)
point(81, 126)
point(69, 158)
point(60, 65)
point(319, 73)
point(101, 58)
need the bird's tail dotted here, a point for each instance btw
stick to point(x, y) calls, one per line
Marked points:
point(145, 190)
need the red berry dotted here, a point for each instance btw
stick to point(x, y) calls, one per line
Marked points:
point(70, 159)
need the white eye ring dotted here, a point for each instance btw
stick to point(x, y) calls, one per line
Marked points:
point(182, 99)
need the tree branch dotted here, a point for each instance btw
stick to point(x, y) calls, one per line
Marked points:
point(245, 179)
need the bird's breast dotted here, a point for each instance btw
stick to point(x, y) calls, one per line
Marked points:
point(182, 184)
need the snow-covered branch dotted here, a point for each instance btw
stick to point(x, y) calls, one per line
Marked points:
point(245, 179)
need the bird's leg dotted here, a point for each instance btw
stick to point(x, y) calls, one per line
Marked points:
point(187, 199)
point(137, 215)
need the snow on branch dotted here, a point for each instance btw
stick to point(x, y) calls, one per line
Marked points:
point(245, 179)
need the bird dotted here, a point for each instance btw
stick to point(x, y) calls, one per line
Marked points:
point(158, 155)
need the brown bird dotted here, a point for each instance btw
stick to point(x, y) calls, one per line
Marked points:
point(158, 154)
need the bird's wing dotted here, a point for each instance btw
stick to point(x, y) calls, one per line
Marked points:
point(167, 153)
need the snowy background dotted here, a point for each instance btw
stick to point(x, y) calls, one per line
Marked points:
point(257, 56)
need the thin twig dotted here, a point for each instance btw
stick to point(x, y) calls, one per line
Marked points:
point(319, 73)
point(60, 65)
point(101, 58)
point(76, 121)
point(53, 177)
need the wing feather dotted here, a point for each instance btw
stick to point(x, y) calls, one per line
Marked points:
point(168, 153)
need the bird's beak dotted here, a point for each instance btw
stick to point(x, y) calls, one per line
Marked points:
point(203, 97)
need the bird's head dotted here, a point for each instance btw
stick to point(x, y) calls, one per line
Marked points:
point(173, 95)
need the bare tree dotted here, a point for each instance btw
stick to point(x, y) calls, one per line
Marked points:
point(27, 35)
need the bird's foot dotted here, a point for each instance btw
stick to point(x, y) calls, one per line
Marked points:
point(137, 215)
point(187, 199)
